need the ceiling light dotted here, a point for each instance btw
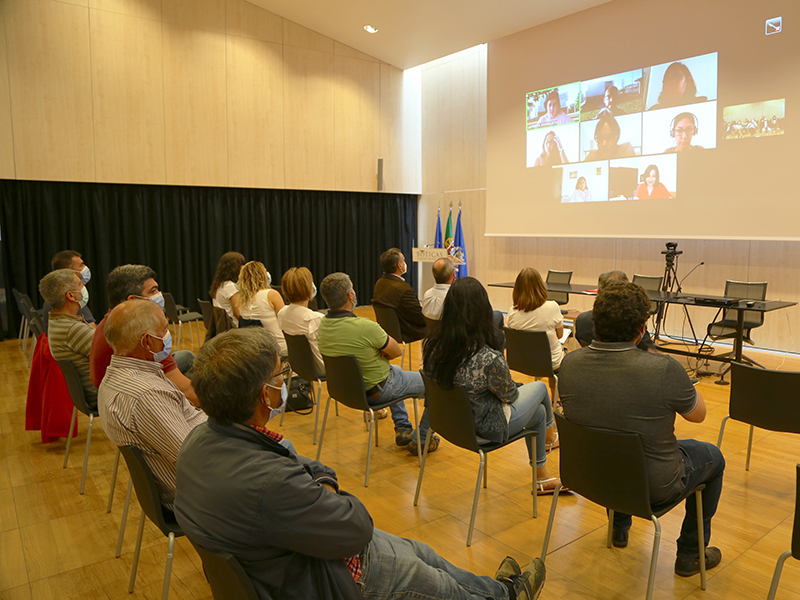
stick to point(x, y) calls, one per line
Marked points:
point(370, 29)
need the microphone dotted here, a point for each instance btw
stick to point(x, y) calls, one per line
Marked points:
point(680, 284)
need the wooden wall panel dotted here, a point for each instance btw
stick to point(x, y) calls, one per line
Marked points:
point(357, 124)
point(194, 107)
point(255, 113)
point(401, 131)
point(342, 50)
point(206, 15)
point(50, 82)
point(144, 9)
point(6, 129)
point(127, 82)
point(248, 20)
point(302, 37)
point(308, 118)
point(778, 263)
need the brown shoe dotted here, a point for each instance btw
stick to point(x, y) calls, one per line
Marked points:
point(686, 567)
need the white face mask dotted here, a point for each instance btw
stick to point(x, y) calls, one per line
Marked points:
point(86, 275)
point(84, 298)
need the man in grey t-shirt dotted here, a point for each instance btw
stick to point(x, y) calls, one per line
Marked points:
point(610, 384)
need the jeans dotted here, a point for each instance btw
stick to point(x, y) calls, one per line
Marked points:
point(398, 384)
point(703, 463)
point(532, 410)
point(184, 359)
point(395, 567)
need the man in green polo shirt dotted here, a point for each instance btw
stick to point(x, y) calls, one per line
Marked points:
point(342, 333)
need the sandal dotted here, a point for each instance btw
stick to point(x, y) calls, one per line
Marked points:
point(544, 491)
point(556, 443)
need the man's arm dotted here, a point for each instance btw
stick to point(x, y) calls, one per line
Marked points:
point(698, 414)
point(184, 384)
point(392, 349)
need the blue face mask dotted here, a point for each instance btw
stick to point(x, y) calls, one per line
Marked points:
point(166, 351)
point(84, 298)
point(274, 412)
point(314, 293)
point(355, 300)
point(86, 275)
point(269, 278)
point(158, 299)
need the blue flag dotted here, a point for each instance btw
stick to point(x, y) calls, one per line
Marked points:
point(458, 241)
point(437, 242)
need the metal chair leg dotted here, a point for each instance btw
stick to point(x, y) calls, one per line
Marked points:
point(549, 529)
point(124, 518)
point(610, 527)
point(701, 534)
point(424, 454)
point(168, 568)
point(749, 449)
point(317, 395)
point(369, 444)
point(69, 437)
point(136, 554)
point(86, 453)
point(113, 482)
point(475, 500)
point(322, 431)
point(654, 559)
point(416, 429)
point(403, 356)
point(534, 478)
point(776, 576)
point(486, 472)
point(722, 430)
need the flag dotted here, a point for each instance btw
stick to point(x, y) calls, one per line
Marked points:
point(437, 242)
point(448, 231)
point(459, 243)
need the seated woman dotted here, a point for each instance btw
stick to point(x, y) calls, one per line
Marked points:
point(532, 311)
point(464, 351)
point(259, 301)
point(651, 188)
point(224, 293)
point(296, 318)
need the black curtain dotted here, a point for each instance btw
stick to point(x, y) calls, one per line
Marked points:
point(182, 231)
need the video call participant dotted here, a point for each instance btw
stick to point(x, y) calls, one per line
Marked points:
point(677, 88)
point(581, 193)
point(610, 108)
point(651, 188)
point(552, 152)
point(554, 115)
point(684, 128)
point(606, 134)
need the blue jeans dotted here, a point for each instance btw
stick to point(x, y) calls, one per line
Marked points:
point(703, 463)
point(399, 384)
point(532, 410)
point(395, 567)
point(184, 359)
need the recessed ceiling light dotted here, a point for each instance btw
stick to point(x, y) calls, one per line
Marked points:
point(370, 29)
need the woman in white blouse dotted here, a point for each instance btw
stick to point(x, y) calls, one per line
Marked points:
point(257, 300)
point(224, 293)
point(296, 318)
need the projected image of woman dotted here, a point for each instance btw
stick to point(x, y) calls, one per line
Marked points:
point(552, 152)
point(651, 188)
point(555, 115)
point(606, 134)
point(581, 193)
point(684, 128)
point(610, 108)
point(677, 88)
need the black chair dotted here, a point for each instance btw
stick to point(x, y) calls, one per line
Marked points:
point(763, 398)
point(305, 365)
point(610, 468)
point(150, 500)
point(652, 283)
point(250, 322)
point(346, 385)
point(387, 319)
point(528, 352)
point(560, 298)
point(36, 326)
point(175, 317)
point(450, 415)
point(432, 324)
point(207, 310)
point(222, 321)
point(795, 551)
point(22, 338)
point(226, 576)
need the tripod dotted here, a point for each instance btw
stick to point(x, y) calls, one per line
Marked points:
point(669, 282)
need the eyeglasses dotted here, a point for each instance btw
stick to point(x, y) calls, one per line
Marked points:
point(691, 130)
point(285, 374)
point(606, 137)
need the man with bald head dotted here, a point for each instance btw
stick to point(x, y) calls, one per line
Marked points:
point(138, 404)
point(444, 274)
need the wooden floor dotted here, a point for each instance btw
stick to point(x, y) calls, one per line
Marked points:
point(55, 543)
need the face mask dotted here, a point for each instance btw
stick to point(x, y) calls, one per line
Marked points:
point(274, 412)
point(404, 268)
point(86, 275)
point(355, 300)
point(158, 299)
point(161, 355)
point(269, 278)
point(314, 293)
point(84, 298)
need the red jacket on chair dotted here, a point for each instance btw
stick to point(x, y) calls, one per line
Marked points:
point(49, 406)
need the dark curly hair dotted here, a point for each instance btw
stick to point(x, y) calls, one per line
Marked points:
point(620, 311)
point(228, 269)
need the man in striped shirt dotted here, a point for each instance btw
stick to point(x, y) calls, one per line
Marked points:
point(138, 405)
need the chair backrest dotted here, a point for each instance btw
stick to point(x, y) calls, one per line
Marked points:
point(745, 290)
point(144, 482)
point(279, 289)
point(607, 467)
point(559, 298)
point(37, 323)
point(250, 322)
point(765, 398)
point(796, 527)
point(302, 357)
point(651, 283)
point(222, 322)
point(207, 309)
point(450, 414)
point(432, 325)
point(25, 306)
point(345, 382)
point(170, 309)
point(75, 387)
point(528, 352)
point(387, 319)
point(226, 576)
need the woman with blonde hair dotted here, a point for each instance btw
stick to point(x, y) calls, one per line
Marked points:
point(258, 301)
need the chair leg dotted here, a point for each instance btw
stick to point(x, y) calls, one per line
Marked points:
point(654, 559)
point(317, 395)
point(369, 444)
point(486, 472)
point(722, 430)
point(69, 437)
point(549, 529)
point(136, 554)
point(124, 518)
point(322, 431)
point(168, 568)
point(533, 490)
point(749, 449)
point(377, 428)
point(416, 428)
point(701, 534)
point(403, 356)
point(610, 527)
point(424, 454)
point(86, 453)
point(475, 500)
point(776, 577)
point(113, 482)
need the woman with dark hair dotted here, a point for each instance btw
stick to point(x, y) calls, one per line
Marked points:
point(677, 88)
point(581, 193)
point(258, 301)
point(224, 293)
point(651, 188)
point(464, 350)
point(555, 115)
point(552, 151)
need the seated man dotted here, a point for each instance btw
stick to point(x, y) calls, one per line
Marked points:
point(69, 336)
point(584, 326)
point(138, 405)
point(130, 282)
point(283, 517)
point(612, 386)
point(392, 291)
point(444, 274)
point(341, 333)
point(69, 259)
